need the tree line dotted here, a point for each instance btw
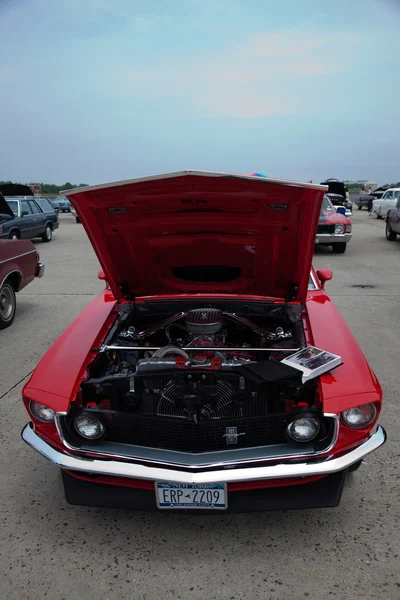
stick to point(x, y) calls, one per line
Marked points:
point(52, 188)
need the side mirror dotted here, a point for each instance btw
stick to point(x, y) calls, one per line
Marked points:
point(101, 275)
point(324, 275)
point(25, 213)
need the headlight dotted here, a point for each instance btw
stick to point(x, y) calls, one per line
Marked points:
point(41, 412)
point(303, 429)
point(359, 416)
point(339, 228)
point(89, 426)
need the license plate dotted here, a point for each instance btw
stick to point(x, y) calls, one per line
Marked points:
point(211, 496)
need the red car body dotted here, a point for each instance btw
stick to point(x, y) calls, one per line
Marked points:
point(19, 265)
point(143, 232)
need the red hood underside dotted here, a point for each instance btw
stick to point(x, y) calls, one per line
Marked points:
point(195, 232)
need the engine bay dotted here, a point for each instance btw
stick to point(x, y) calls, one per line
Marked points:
point(197, 364)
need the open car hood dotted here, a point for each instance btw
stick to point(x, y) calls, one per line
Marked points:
point(335, 187)
point(4, 208)
point(202, 232)
point(15, 189)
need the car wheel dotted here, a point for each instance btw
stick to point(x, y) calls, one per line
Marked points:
point(8, 304)
point(355, 466)
point(390, 234)
point(48, 234)
point(77, 219)
point(339, 248)
point(359, 207)
point(14, 235)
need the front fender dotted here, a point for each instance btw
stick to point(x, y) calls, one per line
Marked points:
point(353, 383)
point(58, 375)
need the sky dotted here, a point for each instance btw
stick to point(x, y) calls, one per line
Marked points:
point(103, 90)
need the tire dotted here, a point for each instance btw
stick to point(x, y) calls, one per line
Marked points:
point(48, 233)
point(359, 207)
point(355, 466)
point(8, 305)
point(390, 234)
point(339, 247)
point(14, 235)
point(77, 219)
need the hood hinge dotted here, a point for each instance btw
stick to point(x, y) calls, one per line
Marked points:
point(292, 292)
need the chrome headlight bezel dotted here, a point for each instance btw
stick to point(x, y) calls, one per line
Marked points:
point(339, 229)
point(95, 422)
point(303, 421)
point(38, 409)
point(369, 416)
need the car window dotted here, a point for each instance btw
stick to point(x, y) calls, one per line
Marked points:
point(387, 195)
point(25, 207)
point(311, 284)
point(326, 204)
point(13, 204)
point(44, 204)
point(34, 207)
point(397, 194)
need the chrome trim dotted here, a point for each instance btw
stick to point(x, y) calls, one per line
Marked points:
point(331, 238)
point(205, 460)
point(40, 271)
point(124, 469)
point(205, 349)
point(19, 256)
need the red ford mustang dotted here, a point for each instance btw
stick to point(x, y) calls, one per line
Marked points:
point(168, 391)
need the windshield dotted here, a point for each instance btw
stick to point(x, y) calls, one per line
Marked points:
point(13, 204)
point(326, 204)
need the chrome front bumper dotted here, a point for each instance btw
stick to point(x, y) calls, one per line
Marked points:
point(332, 238)
point(40, 270)
point(118, 468)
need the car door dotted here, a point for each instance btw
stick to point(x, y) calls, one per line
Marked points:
point(387, 202)
point(38, 218)
point(27, 221)
point(395, 217)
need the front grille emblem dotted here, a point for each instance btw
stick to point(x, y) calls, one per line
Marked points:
point(232, 435)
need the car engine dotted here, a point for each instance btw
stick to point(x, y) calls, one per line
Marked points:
point(185, 380)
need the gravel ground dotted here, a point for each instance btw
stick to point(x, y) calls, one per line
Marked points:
point(49, 549)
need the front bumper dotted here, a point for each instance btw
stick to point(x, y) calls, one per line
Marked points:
point(332, 238)
point(40, 270)
point(119, 468)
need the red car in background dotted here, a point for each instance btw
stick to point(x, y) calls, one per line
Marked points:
point(334, 228)
point(169, 391)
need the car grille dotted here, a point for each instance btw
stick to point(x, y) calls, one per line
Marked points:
point(326, 229)
point(187, 436)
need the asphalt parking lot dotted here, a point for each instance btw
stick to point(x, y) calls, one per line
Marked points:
point(52, 550)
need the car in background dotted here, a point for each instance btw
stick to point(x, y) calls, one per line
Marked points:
point(337, 201)
point(393, 222)
point(339, 195)
point(19, 265)
point(63, 204)
point(334, 229)
point(73, 211)
point(27, 217)
point(381, 206)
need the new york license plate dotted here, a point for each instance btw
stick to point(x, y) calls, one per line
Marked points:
point(181, 495)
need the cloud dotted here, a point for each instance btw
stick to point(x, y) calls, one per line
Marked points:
point(271, 74)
